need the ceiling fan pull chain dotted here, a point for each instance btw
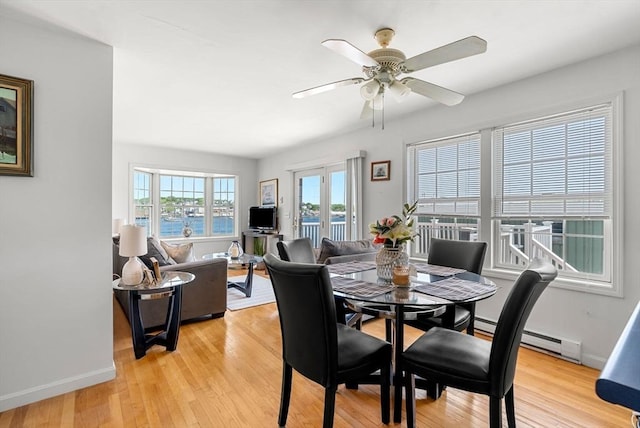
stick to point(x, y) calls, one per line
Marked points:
point(383, 111)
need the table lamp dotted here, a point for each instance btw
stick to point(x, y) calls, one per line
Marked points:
point(133, 243)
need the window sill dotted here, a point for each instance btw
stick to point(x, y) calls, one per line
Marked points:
point(198, 239)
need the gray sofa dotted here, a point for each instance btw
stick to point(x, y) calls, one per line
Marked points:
point(206, 296)
point(331, 252)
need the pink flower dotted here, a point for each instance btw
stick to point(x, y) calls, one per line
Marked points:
point(383, 221)
point(390, 221)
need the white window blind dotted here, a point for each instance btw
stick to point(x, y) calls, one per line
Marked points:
point(556, 166)
point(447, 176)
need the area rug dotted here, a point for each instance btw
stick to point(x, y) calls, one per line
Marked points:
point(262, 293)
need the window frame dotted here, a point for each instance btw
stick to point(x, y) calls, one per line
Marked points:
point(433, 206)
point(488, 231)
point(209, 177)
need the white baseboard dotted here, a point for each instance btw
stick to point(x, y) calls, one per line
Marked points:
point(567, 349)
point(31, 395)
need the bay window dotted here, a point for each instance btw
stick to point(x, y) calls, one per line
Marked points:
point(174, 204)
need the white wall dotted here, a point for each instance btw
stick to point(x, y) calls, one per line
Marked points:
point(594, 320)
point(56, 327)
point(126, 155)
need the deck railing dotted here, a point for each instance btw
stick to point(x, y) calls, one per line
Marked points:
point(435, 229)
point(312, 231)
point(519, 244)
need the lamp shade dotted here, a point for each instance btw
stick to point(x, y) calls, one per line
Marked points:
point(370, 90)
point(399, 90)
point(116, 224)
point(133, 240)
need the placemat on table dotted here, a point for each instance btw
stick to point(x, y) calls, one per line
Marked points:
point(437, 270)
point(359, 288)
point(455, 289)
point(350, 267)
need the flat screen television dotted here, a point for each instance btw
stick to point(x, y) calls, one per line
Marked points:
point(263, 218)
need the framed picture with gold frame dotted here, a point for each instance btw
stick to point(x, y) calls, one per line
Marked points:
point(269, 193)
point(380, 170)
point(16, 126)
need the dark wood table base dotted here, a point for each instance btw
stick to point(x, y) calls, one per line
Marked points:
point(168, 336)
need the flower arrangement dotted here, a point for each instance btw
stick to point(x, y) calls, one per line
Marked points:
point(395, 230)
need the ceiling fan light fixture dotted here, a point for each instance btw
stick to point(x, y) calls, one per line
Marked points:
point(370, 90)
point(399, 90)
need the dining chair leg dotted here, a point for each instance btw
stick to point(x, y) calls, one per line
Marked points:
point(410, 398)
point(387, 330)
point(495, 412)
point(285, 395)
point(385, 394)
point(509, 404)
point(471, 329)
point(329, 407)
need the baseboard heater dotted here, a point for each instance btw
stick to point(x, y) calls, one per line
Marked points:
point(563, 348)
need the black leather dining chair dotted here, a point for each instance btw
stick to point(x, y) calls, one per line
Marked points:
point(473, 364)
point(467, 255)
point(300, 250)
point(314, 344)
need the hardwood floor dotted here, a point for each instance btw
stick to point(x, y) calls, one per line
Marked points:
point(226, 373)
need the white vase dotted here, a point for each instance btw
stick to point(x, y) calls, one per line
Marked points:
point(389, 257)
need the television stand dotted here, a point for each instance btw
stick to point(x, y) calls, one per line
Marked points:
point(265, 240)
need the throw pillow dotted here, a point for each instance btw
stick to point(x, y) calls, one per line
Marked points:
point(180, 253)
point(329, 248)
point(154, 249)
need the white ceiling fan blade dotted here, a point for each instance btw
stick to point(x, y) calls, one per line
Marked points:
point(435, 92)
point(461, 49)
point(351, 52)
point(367, 111)
point(327, 87)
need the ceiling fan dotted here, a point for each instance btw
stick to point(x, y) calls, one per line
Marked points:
point(382, 69)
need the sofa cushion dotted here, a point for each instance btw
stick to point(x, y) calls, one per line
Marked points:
point(180, 253)
point(330, 248)
point(154, 249)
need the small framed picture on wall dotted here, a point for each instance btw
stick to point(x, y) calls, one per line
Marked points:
point(380, 170)
point(269, 193)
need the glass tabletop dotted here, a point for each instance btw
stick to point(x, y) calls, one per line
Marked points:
point(366, 287)
point(170, 279)
point(243, 259)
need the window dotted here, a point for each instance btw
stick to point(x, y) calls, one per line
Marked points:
point(547, 190)
point(223, 215)
point(446, 184)
point(181, 205)
point(142, 202)
point(184, 203)
point(553, 193)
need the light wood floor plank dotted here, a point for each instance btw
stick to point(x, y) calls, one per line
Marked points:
point(226, 372)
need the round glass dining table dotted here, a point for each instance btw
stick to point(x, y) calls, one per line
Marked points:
point(423, 297)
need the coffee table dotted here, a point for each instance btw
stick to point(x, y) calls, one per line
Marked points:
point(171, 287)
point(248, 260)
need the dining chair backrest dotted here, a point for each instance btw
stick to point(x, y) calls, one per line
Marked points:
point(297, 250)
point(467, 255)
point(508, 333)
point(306, 307)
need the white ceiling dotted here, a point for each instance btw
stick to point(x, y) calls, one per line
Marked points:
point(218, 75)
